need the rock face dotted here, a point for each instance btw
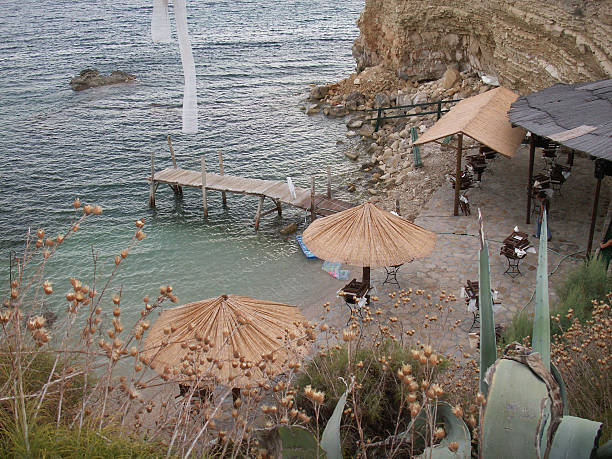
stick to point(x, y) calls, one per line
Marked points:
point(91, 78)
point(526, 44)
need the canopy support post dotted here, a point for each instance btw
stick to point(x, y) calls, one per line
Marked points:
point(593, 218)
point(530, 180)
point(458, 173)
point(570, 158)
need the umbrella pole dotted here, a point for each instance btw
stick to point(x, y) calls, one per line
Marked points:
point(366, 280)
point(458, 173)
point(530, 180)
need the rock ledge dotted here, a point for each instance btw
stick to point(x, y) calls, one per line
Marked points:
point(91, 78)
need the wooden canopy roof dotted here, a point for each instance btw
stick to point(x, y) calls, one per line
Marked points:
point(233, 340)
point(578, 116)
point(367, 236)
point(484, 118)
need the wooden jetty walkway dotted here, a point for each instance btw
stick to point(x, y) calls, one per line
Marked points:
point(276, 190)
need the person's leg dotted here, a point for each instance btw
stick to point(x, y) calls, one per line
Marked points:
point(537, 234)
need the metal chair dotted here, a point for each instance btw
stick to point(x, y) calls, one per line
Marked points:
point(392, 272)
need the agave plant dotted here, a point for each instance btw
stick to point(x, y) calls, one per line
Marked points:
point(488, 348)
point(526, 410)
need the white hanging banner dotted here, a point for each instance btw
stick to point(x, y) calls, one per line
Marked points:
point(160, 22)
point(190, 105)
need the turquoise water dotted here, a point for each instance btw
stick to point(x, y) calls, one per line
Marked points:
point(254, 62)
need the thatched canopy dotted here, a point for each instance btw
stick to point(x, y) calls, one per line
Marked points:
point(367, 236)
point(233, 340)
point(578, 115)
point(484, 118)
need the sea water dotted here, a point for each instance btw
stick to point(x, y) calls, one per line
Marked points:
point(255, 63)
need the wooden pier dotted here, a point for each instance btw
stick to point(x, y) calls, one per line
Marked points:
point(276, 190)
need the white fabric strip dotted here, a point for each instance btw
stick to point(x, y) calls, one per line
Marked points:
point(160, 22)
point(190, 107)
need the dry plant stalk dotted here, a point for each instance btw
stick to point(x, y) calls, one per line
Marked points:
point(101, 374)
point(90, 344)
point(387, 353)
point(582, 355)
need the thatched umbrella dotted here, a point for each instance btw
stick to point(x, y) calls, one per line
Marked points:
point(369, 237)
point(233, 340)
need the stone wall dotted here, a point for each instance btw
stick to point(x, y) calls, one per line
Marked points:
point(526, 44)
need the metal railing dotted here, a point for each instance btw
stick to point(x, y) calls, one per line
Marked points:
point(438, 111)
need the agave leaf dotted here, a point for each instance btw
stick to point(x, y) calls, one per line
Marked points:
point(575, 438)
point(512, 414)
point(488, 349)
point(605, 451)
point(300, 443)
point(456, 431)
point(541, 323)
point(330, 440)
point(557, 375)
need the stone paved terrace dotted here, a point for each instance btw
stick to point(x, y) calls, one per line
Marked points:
point(502, 200)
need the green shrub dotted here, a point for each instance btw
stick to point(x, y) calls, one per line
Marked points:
point(379, 393)
point(37, 366)
point(520, 328)
point(588, 282)
point(47, 441)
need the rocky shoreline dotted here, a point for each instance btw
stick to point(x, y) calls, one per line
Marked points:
point(386, 157)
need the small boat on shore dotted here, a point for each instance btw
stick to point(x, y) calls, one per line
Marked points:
point(307, 252)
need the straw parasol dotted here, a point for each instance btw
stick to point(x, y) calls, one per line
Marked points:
point(369, 237)
point(483, 117)
point(234, 340)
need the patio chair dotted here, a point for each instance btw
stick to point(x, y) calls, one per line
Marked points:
point(471, 300)
point(392, 272)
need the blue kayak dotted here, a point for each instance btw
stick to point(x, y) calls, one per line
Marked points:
point(307, 252)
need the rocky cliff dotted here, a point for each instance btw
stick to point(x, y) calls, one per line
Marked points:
point(526, 44)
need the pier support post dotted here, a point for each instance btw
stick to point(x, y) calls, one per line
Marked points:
point(152, 185)
point(178, 190)
point(204, 203)
point(278, 207)
point(312, 199)
point(328, 182)
point(223, 197)
point(258, 214)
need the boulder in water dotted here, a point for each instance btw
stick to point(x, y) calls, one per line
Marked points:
point(319, 92)
point(91, 78)
point(292, 228)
